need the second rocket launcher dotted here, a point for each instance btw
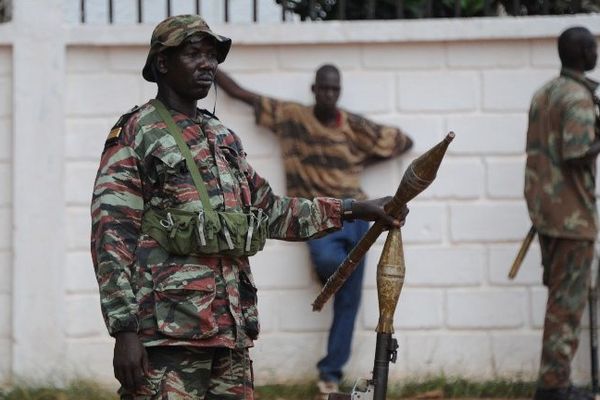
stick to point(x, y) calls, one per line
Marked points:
point(417, 177)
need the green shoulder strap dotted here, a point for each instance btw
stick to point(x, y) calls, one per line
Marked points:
point(175, 131)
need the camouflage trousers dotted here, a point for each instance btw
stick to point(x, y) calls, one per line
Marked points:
point(196, 373)
point(567, 265)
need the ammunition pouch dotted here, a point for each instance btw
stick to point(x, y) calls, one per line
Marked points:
point(203, 233)
point(206, 232)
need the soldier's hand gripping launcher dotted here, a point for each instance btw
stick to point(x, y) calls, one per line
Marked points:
point(417, 177)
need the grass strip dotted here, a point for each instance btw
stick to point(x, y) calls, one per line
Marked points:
point(456, 388)
point(76, 390)
point(452, 388)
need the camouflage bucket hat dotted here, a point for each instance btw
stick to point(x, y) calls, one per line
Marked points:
point(173, 31)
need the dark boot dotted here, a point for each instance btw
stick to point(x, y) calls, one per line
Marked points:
point(570, 393)
point(552, 394)
point(580, 394)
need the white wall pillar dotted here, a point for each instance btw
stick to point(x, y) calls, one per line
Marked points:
point(38, 193)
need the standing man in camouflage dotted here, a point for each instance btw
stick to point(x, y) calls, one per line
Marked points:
point(562, 146)
point(325, 149)
point(176, 211)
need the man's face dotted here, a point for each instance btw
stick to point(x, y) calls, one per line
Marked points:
point(190, 68)
point(590, 53)
point(327, 90)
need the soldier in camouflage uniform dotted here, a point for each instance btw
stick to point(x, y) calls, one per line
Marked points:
point(562, 145)
point(183, 323)
point(325, 150)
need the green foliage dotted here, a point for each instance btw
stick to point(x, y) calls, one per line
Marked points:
point(555, 7)
point(386, 9)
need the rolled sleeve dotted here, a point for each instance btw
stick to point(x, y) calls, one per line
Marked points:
point(377, 141)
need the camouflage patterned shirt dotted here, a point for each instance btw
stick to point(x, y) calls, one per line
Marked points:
point(175, 300)
point(326, 161)
point(561, 198)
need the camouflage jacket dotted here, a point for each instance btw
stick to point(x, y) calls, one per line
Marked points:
point(561, 197)
point(175, 300)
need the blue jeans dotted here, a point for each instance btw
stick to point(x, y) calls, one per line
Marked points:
point(327, 254)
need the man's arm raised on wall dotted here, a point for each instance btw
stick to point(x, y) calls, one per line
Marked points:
point(231, 87)
point(401, 146)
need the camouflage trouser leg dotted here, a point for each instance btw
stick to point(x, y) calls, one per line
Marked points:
point(567, 265)
point(192, 373)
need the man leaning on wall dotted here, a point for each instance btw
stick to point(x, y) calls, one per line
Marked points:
point(562, 146)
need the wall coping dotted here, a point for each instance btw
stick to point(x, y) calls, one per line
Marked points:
point(331, 32)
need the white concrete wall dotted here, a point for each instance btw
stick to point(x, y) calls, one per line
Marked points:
point(458, 313)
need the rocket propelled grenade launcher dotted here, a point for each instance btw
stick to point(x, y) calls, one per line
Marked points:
point(390, 279)
point(417, 177)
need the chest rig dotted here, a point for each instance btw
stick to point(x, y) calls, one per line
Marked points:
point(206, 232)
